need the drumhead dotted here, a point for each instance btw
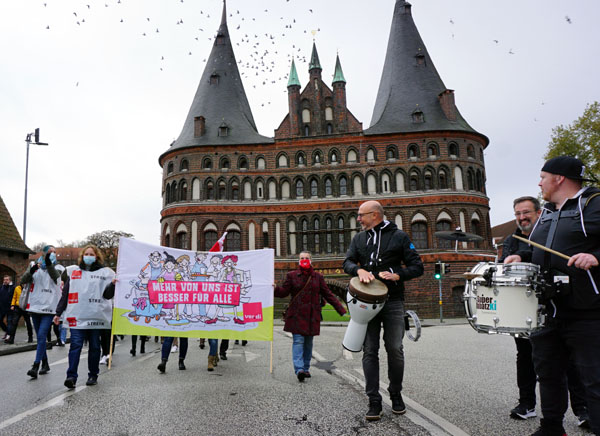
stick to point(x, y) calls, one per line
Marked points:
point(373, 292)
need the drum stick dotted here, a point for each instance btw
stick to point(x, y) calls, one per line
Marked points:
point(540, 246)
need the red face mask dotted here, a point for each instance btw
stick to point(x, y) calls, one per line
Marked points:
point(304, 263)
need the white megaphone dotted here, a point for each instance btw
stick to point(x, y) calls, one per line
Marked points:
point(364, 301)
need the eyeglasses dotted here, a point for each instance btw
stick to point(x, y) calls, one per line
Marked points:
point(360, 215)
point(525, 212)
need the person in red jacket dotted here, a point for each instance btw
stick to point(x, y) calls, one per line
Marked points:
point(303, 315)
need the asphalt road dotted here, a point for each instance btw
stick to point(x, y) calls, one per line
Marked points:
point(457, 382)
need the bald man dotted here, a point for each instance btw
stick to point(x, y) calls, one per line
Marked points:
point(384, 252)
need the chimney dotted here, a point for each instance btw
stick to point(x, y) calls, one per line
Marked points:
point(199, 126)
point(446, 99)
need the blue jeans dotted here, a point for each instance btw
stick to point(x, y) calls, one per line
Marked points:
point(392, 318)
point(78, 336)
point(168, 343)
point(213, 345)
point(302, 352)
point(554, 347)
point(41, 325)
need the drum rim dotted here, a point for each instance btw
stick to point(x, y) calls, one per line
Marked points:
point(373, 299)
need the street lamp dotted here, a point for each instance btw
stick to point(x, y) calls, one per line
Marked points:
point(36, 141)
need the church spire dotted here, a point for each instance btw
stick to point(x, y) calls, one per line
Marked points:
point(220, 113)
point(314, 59)
point(409, 79)
point(338, 75)
point(293, 80)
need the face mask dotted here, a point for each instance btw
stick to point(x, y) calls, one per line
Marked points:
point(88, 260)
point(304, 263)
point(53, 257)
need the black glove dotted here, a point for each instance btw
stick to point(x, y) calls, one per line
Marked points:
point(47, 259)
point(33, 269)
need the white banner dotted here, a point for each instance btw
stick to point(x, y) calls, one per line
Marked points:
point(164, 291)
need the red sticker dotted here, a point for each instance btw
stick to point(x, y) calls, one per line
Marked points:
point(73, 298)
point(76, 275)
point(72, 321)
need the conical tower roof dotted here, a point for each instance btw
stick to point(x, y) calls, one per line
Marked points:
point(293, 80)
point(220, 98)
point(314, 59)
point(10, 239)
point(410, 83)
point(338, 75)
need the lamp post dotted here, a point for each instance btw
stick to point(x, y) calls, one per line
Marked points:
point(36, 141)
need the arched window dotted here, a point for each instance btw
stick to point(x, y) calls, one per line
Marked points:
point(443, 180)
point(470, 151)
point(328, 187)
point(183, 190)
point(170, 168)
point(167, 240)
point(385, 183)
point(282, 161)
point(414, 182)
point(265, 232)
point(260, 190)
point(317, 158)
point(196, 189)
point(300, 159)
point(210, 191)
point(357, 183)
point(341, 236)
point(328, 113)
point(305, 116)
point(292, 237)
point(333, 157)
point(225, 165)
point(210, 238)
point(207, 163)
point(329, 128)
point(431, 150)
point(299, 189)
point(260, 163)
point(428, 181)
point(235, 191)
point(243, 163)
point(413, 151)
point(453, 150)
point(470, 180)
point(343, 186)
point(174, 191)
point(352, 156)
point(479, 181)
point(181, 239)
point(391, 153)
point(285, 190)
point(222, 191)
point(442, 226)
point(370, 155)
point(184, 165)
point(476, 228)
point(419, 234)
point(314, 188)
point(306, 130)
point(272, 190)
point(304, 225)
point(233, 241)
point(328, 236)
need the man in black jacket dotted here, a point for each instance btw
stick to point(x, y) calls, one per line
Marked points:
point(6, 294)
point(569, 224)
point(380, 251)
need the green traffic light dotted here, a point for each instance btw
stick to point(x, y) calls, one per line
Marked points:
point(437, 276)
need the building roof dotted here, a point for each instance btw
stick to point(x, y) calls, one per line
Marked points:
point(220, 98)
point(338, 75)
point(10, 239)
point(293, 80)
point(314, 59)
point(409, 81)
point(501, 231)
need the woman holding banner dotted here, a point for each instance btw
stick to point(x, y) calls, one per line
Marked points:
point(303, 315)
point(85, 302)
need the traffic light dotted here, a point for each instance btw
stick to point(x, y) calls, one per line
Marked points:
point(438, 271)
point(37, 135)
point(446, 268)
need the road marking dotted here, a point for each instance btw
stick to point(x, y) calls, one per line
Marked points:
point(251, 356)
point(50, 403)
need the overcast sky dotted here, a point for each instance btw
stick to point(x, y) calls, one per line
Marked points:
point(109, 84)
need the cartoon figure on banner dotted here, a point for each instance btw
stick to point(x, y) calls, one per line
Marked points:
point(214, 268)
point(170, 273)
point(229, 274)
point(141, 301)
point(198, 273)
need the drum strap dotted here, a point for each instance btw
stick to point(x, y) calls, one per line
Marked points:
point(555, 216)
point(296, 296)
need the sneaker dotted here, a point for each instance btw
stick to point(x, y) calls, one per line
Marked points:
point(375, 411)
point(174, 349)
point(103, 360)
point(583, 419)
point(162, 366)
point(223, 356)
point(522, 412)
point(70, 383)
point(92, 380)
point(301, 376)
point(398, 406)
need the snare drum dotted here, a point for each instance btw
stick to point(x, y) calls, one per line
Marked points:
point(509, 306)
point(521, 269)
point(364, 301)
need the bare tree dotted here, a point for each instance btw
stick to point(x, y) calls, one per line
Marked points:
point(108, 243)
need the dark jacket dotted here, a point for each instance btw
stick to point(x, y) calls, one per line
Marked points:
point(303, 315)
point(580, 299)
point(6, 295)
point(109, 291)
point(514, 246)
point(384, 248)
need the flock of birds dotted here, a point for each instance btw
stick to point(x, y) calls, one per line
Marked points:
point(261, 63)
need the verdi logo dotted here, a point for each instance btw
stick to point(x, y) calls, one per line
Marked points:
point(486, 303)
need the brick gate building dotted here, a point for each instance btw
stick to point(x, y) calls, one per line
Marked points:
point(301, 189)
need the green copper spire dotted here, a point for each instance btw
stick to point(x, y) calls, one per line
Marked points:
point(314, 59)
point(339, 74)
point(293, 80)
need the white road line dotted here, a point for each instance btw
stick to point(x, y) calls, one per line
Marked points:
point(50, 403)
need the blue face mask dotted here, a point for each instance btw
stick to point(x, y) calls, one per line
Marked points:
point(88, 260)
point(53, 257)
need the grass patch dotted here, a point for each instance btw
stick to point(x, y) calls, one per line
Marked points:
point(329, 314)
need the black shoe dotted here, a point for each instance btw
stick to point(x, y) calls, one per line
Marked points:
point(181, 365)
point(244, 342)
point(9, 341)
point(162, 366)
point(223, 356)
point(92, 380)
point(70, 383)
point(202, 342)
point(398, 406)
point(132, 352)
point(236, 342)
point(45, 369)
point(30, 340)
point(523, 412)
point(375, 411)
point(143, 348)
point(546, 432)
point(583, 419)
point(33, 372)
point(301, 376)
point(306, 374)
